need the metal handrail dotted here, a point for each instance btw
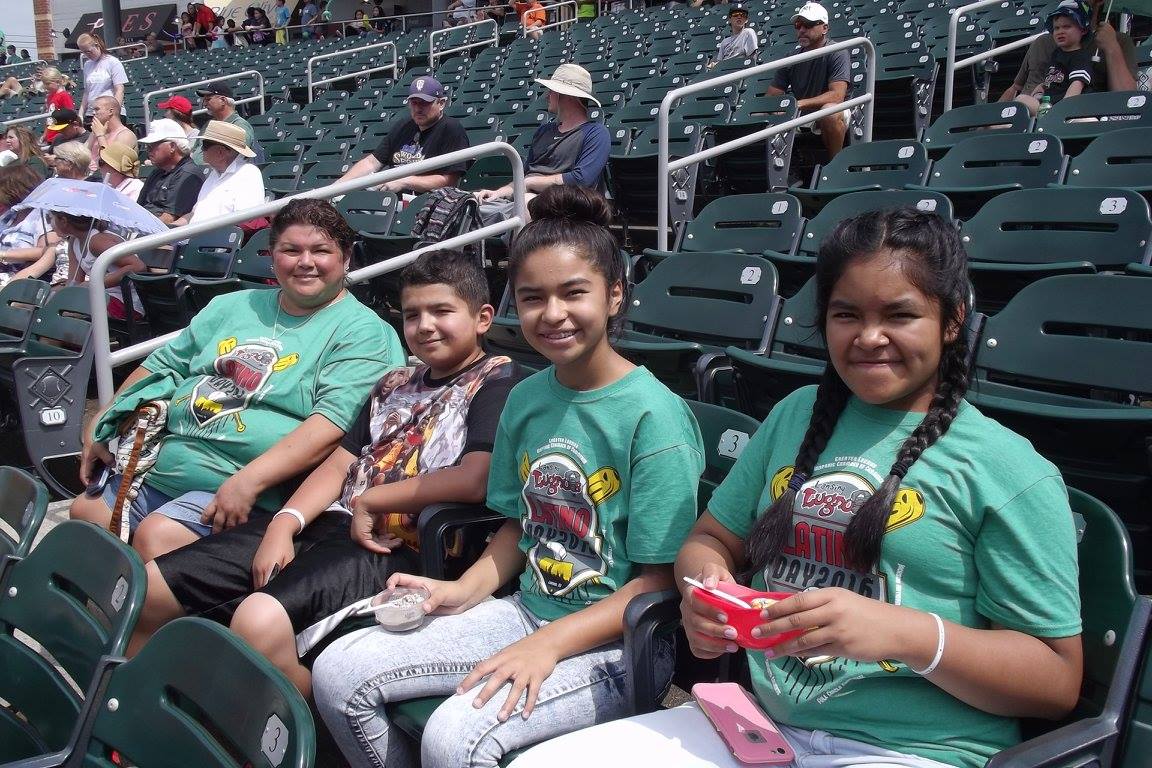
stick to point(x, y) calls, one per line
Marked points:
point(551, 24)
point(345, 75)
point(433, 54)
point(140, 45)
point(30, 119)
point(104, 358)
point(666, 167)
point(24, 64)
point(950, 63)
point(185, 86)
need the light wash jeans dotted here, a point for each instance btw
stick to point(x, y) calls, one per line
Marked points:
point(356, 676)
point(684, 738)
point(185, 509)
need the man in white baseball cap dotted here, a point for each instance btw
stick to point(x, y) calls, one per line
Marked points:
point(169, 192)
point(819, 82)
point(570, 149)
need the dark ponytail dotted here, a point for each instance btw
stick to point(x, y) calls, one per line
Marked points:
point(934, 261)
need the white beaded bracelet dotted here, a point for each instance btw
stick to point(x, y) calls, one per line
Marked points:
point(939, 648)
point(296, 514)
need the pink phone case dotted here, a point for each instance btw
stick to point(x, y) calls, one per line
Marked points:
point(749, 733)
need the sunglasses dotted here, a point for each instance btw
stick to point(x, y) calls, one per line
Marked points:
point(806, 24)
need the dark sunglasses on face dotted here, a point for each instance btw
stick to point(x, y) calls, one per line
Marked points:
point(806, 24)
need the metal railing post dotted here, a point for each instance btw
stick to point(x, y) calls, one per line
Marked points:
point(141, 46)
point(950, 63)
point(346, 75)
point(433, 54)
point(665, 168)
point(104, 359)
point(185, 86)
point(30, 119)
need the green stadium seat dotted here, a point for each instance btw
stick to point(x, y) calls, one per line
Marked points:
point(874, 165)
point(1118, 159)
point(25, 501)
point(1077, 121)
point(19, 299)
point(77, 597)
point(962, 123)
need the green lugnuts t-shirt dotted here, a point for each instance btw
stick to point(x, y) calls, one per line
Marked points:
point(602, 482)
point(247, 376)
point(980, 533)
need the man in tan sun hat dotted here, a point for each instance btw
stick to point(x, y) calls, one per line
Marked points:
point(233, 184)
point(570, 149)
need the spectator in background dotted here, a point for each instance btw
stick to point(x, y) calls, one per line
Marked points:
point(24, 55)
point(425, 133)
point(495, 10)
point(462, 12)
point(87, 239)
point(379, 23)
point(819, 82)
point(1070, 67)
point(19, 146)
point(187, 31)
point(170, 191)
point(217, 99)
point(1113, 60)
point(309, 15)
point(107, 128)
point(179, 109)
point(262, 32)
point(56, 86)
point(359, 26)
point(742, 42)
point(121, 165)
point(24, 235)
point(103, 73)
point(532, 16)
point(67, 126)
point(282, 16)
point(154, 46)
point(72, 160)
point(570, 149)
point(203, 22)
point(219, 36)
point(10, 87)
point(233, 184)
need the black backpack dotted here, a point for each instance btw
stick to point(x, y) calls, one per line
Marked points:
point(449, 212)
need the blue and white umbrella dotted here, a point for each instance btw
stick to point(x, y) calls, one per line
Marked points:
point(92, 200)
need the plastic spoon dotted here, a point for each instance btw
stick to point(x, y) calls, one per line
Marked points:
point(717, 593)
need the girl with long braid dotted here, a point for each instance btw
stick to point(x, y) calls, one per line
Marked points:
point(931, 551)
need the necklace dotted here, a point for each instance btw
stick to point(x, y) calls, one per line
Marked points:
point(279, 330)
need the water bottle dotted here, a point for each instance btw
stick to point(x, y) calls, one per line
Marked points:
point(1045, 105)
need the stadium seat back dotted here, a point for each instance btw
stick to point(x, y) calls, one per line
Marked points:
point(1119, 159)
point(19, 299)
point(1094, 114)
point(749, 223)
point(874, 165)
point(961, 123)
point(368, 212)
point(24, 502)
point(1000, 161)
point(725, 434)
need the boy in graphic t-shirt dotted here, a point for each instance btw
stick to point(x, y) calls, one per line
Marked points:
point(425, 436)
point(1070, 68)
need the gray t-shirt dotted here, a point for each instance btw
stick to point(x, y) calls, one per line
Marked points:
point(812, 78)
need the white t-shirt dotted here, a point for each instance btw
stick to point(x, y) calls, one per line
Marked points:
point(100, 77)
point(25, 234)
point(130, 187)
point(240, 186)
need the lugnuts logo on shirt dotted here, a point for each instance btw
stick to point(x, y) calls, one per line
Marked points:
point(561, 504)
point(241, 372)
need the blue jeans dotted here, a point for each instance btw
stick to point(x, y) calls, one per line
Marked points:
point(356, 676)
point(185, 509)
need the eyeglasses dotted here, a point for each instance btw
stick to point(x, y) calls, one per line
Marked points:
point(799, 24)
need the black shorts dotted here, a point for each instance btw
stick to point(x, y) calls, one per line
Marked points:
point(211, 577)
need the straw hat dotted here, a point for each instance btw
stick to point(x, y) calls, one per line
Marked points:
point(121, 158)
point(231, 136)
point(571, 80)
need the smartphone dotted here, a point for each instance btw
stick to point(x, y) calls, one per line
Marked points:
point(96, 487)
point(750, 734)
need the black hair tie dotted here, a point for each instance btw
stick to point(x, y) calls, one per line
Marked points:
point(796, 482)
point(900, 468)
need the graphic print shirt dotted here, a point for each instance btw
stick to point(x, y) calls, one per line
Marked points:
point(248, 375)
point(602, 482)
point(980, 533)
point(414, 424)
point(406, 143)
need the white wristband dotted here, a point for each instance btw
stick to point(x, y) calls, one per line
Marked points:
point(939, 648)
point(296, 514)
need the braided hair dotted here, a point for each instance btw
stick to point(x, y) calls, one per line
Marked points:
point(934, 262)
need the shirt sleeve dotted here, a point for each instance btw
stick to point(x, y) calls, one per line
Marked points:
point(350, 369)
point(1080, 68)
point(841, 69)
point(593, 157)
point(360, 433)
point(386, 148)
point(662, 503)
point(748, 41)
point(504, 484)
point(1026, 556)
point(782, 78)
point(119, 76)
point(483, 417)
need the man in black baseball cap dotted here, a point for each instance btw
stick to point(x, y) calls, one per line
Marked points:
point(217, 99)
point(425, 133)
point(68, 127)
